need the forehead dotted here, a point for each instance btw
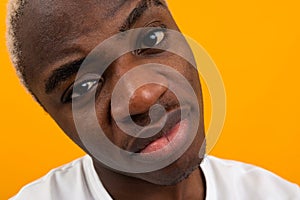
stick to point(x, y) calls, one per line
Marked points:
point(46, 25)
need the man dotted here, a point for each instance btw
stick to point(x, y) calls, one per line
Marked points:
point(66, 57)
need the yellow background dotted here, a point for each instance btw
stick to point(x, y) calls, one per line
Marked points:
point(256, 46)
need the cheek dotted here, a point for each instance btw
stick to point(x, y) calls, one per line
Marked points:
point(191, 73)
point(192, 76)
point(103, 112)
point(65, 121)
point(187, 70)
point(85, 125)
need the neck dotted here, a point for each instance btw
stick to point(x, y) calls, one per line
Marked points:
point(122, 187)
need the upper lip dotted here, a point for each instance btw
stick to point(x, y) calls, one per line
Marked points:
point(172, 117)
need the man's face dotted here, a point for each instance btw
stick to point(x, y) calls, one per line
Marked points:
point(58, 35)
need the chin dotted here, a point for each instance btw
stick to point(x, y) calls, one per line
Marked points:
point(177, 171)
point(165, 177)
point(181, 177)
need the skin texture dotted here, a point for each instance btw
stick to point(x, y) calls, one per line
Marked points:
point(54, 33)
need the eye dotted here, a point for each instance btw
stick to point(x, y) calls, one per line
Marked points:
point(151, 42)
point(82, 87)
point(153, 38)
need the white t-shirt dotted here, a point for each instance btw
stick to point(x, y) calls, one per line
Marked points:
point(225, 180)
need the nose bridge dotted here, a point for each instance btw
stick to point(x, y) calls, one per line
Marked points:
point(141, 84)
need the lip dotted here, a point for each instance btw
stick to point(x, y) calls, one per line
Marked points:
point(167, 139)
point(172, 118)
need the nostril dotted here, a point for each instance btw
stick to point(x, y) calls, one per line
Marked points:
point(141, 119)
point(155, 113)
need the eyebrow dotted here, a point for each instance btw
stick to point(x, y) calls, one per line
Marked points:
point(64, 72)
point(138, 12)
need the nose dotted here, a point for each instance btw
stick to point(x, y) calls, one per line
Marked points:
point(145, 97)
point(137, 93)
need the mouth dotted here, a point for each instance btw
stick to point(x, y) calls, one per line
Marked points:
point(175, 125)
point(165, 140)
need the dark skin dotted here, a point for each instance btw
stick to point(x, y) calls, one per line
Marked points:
point(57, 33)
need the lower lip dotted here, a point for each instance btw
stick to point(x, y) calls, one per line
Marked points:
point(177, 131)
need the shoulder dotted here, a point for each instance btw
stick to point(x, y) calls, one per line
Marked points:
point(245, 181)
point(57, 182)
